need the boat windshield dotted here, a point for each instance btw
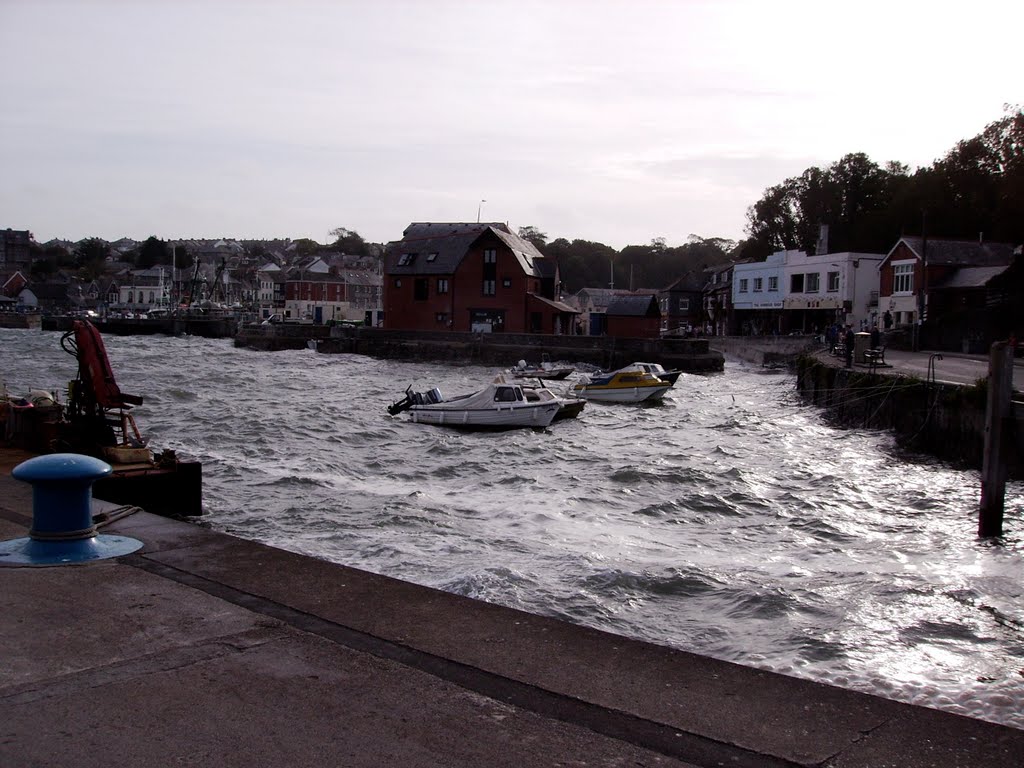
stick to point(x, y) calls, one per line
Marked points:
point(507, 394)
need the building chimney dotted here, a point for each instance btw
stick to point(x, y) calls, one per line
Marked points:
point(822, 246)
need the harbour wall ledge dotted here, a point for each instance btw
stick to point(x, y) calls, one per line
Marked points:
point(500, 349)
point(766, 351)
point(197, 325)
point(935, 418)
point(30, 320)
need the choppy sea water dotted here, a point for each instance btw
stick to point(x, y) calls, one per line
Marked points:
point(730, 520)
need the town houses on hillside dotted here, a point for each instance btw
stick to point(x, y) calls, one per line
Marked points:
point(943, 294)
point(255, 278)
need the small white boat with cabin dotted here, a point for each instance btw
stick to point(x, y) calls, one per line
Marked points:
point(654, 368)
point(622, 387)
point(499, 405)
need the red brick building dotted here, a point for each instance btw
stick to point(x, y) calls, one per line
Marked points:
point(471, 277)
point(933, 268)
point(634, 317)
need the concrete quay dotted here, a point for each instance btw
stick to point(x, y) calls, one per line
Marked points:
point(205, 649)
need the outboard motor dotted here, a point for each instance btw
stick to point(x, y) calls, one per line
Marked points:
point(404, 404)
point(411, 398)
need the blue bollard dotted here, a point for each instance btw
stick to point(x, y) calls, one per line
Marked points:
point(62, 528)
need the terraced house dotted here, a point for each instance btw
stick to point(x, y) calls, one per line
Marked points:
point(471, 277)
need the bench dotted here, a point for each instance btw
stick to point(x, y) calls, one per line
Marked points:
point(875, 356)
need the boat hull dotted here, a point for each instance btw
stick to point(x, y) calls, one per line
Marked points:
point(623, 394)
point(530, 415)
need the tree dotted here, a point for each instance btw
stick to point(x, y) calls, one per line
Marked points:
point(91, 257)
point(535, 236)
point(348, 241)
point(153, 251)
point(181, 257)
point(772, 220)
point(305, 247)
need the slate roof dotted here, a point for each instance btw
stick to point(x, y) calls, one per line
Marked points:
point(968, 253)
point(600, 298)
point(971, 277)
point(631, 306)
point(439, 248)
point(52, 291)
point(560, 306)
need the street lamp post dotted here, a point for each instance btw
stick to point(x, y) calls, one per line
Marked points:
point(478, 208)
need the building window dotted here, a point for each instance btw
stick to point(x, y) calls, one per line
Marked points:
point(903, 278)
point(796, 283)
point(398, 282)
point(406, 259)
point(431, 256)
point(131, 297)
point(441, 318)
point(684, 305)
point(773, 283)
point(743, 285)
point(758, 284)
point(506, 283)
point(490, 256)
point(813, 282)
point(419, 289)
point(833, 282)
point(489, 287)
point(442, 285)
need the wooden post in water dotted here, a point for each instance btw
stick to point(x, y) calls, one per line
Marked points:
point(993, 472)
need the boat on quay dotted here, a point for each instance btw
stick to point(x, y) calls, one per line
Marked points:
point(97, 421)
point(622, 387)
point(499, 405)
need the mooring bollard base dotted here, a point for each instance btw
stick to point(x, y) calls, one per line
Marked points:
point(29, 551)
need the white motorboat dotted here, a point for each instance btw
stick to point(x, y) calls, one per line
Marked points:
point(543, 371)
point(654, 368)
point(622, 387)
point(570, 405)
point(497, 406)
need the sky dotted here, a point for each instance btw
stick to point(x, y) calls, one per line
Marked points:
point(616, 122)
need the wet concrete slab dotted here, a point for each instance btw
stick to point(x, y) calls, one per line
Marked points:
point(203, 648)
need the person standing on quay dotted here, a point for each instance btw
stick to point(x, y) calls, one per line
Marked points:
point(848, 343)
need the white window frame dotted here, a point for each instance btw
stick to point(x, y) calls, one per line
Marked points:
point(812, 282)
point(743, 285)
point(758, 284)
point(832, 282)
point(773, 283)
point(903, 278)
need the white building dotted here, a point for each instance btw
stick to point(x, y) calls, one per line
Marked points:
point(758, 293)
point(832, 287)
point(791, 292)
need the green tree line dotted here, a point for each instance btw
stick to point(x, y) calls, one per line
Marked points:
point(977, 189)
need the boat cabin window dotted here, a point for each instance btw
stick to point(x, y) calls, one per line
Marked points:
point(508, 394)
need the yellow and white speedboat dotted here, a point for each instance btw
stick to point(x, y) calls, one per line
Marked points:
point(622, 387)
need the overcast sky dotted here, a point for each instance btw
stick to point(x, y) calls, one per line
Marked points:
point(610, 121)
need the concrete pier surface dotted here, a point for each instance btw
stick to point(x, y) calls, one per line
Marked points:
point(208, 650)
